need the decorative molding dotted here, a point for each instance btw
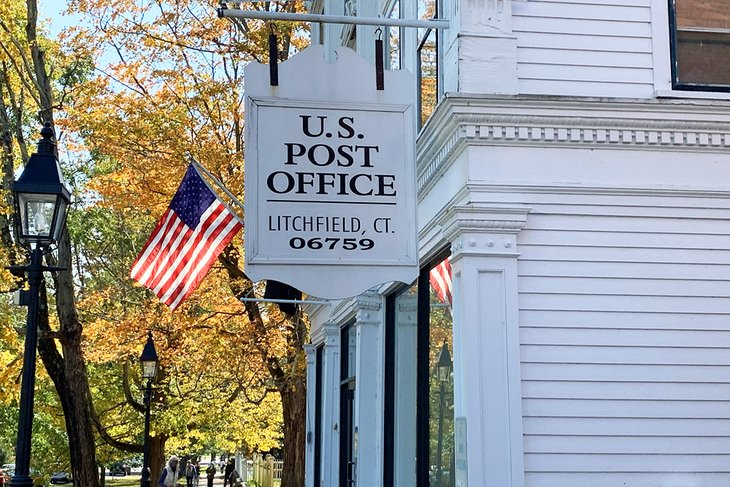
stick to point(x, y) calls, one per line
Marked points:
point(368, 306)
point(483, 230)
point(475, 189)
point(332, 335)
point(594, 124)
point(311, 351)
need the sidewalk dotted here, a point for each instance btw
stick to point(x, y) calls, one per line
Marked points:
point(135, 479)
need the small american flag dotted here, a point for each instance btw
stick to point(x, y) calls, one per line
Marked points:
point(440, 279)
point(186, 241)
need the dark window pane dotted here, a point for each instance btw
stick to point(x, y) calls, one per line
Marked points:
point(703, 58)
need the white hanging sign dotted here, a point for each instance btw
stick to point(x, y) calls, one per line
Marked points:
point(330, 175)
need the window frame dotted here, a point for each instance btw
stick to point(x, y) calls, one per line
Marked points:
point(668, 51)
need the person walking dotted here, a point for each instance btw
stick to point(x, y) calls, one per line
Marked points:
point(169, 475)
point(210, 472)
point(230, 468)
point(196, 479)
point(190, 474)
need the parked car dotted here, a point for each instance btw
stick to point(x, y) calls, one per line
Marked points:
point(61, 478)
point(119, 469)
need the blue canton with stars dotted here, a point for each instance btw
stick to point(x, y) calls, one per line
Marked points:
point(193, 197)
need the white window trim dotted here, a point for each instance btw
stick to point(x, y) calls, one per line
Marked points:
point(662, 59)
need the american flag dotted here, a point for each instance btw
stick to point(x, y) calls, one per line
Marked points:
point(440, 279)
point(186, 241)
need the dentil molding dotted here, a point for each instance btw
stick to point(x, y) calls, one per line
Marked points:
point(461, 121)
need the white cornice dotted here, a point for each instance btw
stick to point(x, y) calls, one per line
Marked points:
point(659, 125)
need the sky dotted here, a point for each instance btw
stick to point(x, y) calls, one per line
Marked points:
point(51, 9)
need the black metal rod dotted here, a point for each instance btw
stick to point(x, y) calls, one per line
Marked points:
point(379, 68)
point(21, 477)
point(273, 60)
point(146, 481)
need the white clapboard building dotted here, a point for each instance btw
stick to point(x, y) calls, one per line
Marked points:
point(573, 170)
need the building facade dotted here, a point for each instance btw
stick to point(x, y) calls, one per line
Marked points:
point(573, 171)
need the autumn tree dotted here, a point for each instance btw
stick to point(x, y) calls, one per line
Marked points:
point(175, 87)
point(36, 96)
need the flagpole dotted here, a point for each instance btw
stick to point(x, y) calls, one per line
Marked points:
point(215, 180)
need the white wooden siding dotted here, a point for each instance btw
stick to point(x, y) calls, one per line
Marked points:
point(625, 341)
point(584, 47)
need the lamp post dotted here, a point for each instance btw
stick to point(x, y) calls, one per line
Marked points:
point(40, 198)
point(149, 363)
point(443, 370)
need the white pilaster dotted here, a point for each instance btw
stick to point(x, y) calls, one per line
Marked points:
point(330, 405)
point(404, 443)
point(486, 340)
point(311, 351)
point(369, 389)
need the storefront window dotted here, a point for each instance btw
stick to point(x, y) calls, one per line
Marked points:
point(440, 383)
point(419, 385)
point(348, 432)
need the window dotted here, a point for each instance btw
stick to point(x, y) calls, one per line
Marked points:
point(393, 56)
point(348, 432)
point(440, 392)
point(419, 390)
point(319, 374)
point(427, 60)
point(700, 40)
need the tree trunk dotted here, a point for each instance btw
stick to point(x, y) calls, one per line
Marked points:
point(294, 408)
point(67, 370)
point(157, 456)
point(286, 372)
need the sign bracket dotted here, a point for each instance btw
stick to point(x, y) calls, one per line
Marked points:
point(225, 11)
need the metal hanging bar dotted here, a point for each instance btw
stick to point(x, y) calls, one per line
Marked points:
point(223, 11)
point(284, 301)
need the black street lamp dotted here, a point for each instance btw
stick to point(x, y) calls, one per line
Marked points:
point(149, 363)
point(443, 371)
point(41, 199)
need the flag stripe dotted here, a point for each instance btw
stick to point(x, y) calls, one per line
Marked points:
point(203, 265)
point(177, 272)
point(183, 249)
point(150, 246)
point(160, 258)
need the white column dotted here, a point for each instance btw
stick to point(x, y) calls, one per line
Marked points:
point(486, 340)
point(369, 321)
point(330, 406)
point(311, 351)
